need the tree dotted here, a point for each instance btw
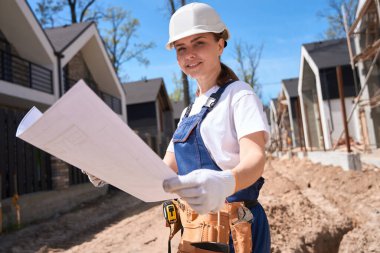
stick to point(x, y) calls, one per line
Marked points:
point(334, 17)
point(177, 94)
point(79, 8)
point(79, 11)
point(185, 81)
point(118, 35)
point(248, 58)
point(46, 11)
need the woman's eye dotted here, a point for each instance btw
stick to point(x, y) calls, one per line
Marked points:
point(180, 49)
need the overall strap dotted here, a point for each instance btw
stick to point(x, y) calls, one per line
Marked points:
point(188, 110)
point(211, 101)
point(214, 98)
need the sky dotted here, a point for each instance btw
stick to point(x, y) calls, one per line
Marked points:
point(280, 26)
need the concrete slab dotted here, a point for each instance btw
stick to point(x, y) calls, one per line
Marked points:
point(348, 161)
point(283, 154)
point(372, 158)
point(302, 154)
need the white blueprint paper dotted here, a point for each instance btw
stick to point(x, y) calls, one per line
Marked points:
point(83, 131)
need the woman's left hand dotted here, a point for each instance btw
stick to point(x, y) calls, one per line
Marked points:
point(97, 182)
point(204, 190)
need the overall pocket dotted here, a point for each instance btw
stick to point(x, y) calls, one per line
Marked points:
point(184, 129)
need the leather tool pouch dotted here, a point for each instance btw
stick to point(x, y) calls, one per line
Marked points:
point(240, 229)
point(202, 228)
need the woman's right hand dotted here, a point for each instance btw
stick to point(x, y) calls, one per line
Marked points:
point(97, 182)
point(204, 190)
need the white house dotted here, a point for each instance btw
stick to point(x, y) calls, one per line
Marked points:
point(319, 97)
point(28, 66)
point(36, 68)
point(290, 100)
point(81, 55)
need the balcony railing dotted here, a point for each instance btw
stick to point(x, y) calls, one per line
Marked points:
point(113, 102)
point(19, 71)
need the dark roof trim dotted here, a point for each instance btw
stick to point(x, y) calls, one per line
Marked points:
point(38, 22)
point(76, 37)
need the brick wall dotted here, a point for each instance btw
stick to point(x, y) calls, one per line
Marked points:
point(77, 69)
point(60, 174)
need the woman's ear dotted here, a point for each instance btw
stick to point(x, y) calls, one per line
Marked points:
point(220, 46)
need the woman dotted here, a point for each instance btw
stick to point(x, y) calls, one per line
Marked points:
point(218, 147)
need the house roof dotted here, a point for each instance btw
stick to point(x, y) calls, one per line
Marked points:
point(291, 85)
point(178, 107)
point(329, 53)
point(273, 103)
point(62, 37)
point(142, 91)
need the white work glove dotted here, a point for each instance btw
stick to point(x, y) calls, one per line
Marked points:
point(97, 182)
point(204, 190)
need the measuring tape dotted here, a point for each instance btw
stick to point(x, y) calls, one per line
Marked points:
point(170, 212)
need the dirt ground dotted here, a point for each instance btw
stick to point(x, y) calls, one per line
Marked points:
point(310, 207)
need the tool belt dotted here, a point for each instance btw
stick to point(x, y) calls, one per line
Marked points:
point(235, 218)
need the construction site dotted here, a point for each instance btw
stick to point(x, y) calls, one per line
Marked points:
point(322, 170)
point(310, 207)
point(332, 108)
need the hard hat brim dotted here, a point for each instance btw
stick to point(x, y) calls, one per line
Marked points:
point(193, 31)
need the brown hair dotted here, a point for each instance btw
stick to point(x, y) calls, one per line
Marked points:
point(226, 74)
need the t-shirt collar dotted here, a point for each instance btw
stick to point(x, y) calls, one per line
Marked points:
point(208, 93)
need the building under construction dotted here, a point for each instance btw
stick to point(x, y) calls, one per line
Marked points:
point(366, 33)
point(336, 106)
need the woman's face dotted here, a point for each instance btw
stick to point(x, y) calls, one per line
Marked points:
point(198, 55)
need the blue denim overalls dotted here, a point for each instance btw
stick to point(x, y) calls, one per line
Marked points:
point(192, 154)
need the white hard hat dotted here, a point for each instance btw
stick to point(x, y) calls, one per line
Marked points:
point(192, 19)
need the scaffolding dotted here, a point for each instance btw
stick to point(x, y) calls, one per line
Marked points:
point(366, 25)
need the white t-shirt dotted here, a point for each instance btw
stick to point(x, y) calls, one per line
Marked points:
point(238, 113)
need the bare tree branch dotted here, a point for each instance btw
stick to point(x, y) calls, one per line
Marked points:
point(47, 11)
point(85, 9)
point(185, 80)
point(72, 5)
point(117, 38)
point(248, 57)
point(333, 15)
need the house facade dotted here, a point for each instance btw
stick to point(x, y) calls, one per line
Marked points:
point(150, 112)
point(178, 107)
point(321, 110)
point(275, 140)
point(36, 68)
point(291, 118)
point(28, 76)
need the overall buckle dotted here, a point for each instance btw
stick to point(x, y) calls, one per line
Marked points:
point(210, 103)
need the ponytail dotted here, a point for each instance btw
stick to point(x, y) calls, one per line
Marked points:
point(226, 74)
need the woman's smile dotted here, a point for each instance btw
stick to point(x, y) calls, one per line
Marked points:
point(193, 65)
